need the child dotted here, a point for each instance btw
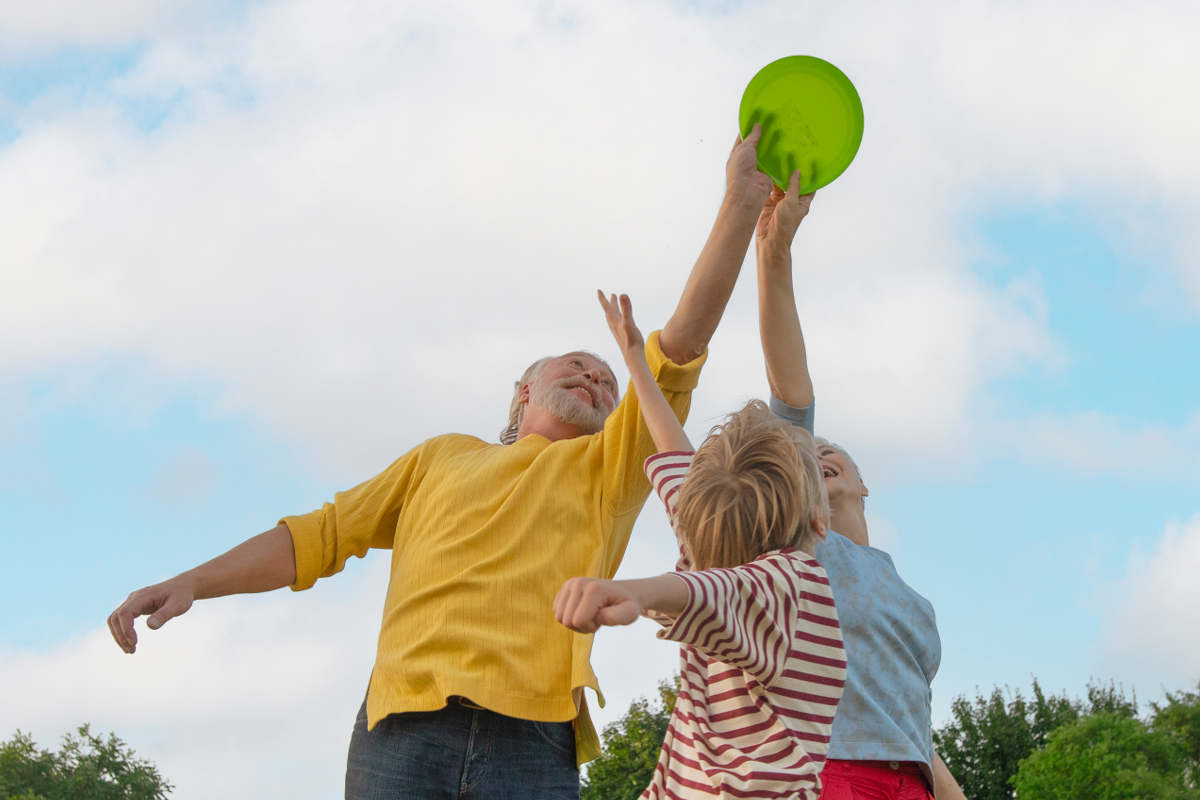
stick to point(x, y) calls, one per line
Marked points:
point(762, 664)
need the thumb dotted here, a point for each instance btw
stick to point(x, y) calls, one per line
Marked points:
point(623, 613)
point(169, 610)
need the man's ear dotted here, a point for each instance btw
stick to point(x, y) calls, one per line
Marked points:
point(523, 393)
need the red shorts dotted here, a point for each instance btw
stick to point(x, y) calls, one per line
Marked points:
point(873, 780)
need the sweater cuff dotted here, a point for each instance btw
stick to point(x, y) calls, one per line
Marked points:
point(306, 543)
point(672, 377)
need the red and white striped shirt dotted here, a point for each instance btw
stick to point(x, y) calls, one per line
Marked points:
point(762, 669)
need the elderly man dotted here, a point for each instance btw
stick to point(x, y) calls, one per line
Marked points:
point(476, 690)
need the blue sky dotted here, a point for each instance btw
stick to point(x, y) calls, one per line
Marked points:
point(251, 257)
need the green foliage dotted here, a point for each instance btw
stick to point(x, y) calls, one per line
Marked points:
point(631, 748)
point(86, 766)
point(1179, 718)
point(1107, 755)
point(985, 741)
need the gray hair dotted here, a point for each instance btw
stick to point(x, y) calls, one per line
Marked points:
point(516, 409)
point(821, 441)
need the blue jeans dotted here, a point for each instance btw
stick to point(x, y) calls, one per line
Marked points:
point(461, 753)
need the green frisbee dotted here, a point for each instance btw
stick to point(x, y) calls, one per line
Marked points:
point(811, 116)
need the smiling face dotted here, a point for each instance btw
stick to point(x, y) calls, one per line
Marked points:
point(842, 479)
point(577, 388)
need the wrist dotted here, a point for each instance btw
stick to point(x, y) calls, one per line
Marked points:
point(743, 199)
point(774, 254)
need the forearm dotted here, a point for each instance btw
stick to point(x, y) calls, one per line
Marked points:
point(711, 281)
point(944, 785)
point(779, 329)
point(665, 594)
point(259, 564)
point(660, 418)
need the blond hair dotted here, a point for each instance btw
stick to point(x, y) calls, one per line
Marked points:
point(752, 487)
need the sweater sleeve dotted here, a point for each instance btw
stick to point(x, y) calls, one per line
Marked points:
point(357, 519)
point(742, 616)
point(801, 417)
point(627, 441)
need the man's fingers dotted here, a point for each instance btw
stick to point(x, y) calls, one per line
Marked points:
point(627, 308)
point(114, 627)
point(754, 135)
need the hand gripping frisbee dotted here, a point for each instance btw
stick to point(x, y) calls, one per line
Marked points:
point(811, 116)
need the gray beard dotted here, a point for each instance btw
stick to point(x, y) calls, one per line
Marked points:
point(558, 401)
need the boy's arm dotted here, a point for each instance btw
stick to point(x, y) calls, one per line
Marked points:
point(585, 604)
point(660, 418)
point(778, 321)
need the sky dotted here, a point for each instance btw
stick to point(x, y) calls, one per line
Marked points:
point(253, 252)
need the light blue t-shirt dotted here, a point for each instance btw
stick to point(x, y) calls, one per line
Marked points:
point(892, 648)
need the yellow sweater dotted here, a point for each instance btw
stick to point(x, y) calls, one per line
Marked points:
point(482, 537)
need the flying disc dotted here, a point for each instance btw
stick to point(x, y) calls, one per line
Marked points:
point(811, 116)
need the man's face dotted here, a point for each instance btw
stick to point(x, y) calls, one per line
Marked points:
point(577, 388)
point(841, 477)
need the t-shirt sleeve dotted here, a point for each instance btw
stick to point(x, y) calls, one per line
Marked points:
point(626, 439)
point(800, 416)
point(667, 472)
point(357, 520)
point(742, 616)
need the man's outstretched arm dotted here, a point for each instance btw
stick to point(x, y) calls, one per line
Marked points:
point(259, 564)
point(710, 284)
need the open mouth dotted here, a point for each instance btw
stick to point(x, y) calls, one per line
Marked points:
point(582, 392)
point(828, 472)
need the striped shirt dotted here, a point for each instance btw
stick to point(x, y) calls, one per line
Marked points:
point(761, 670)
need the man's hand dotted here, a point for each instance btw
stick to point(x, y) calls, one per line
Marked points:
point(781, 215)
point(584, 604)
point(162, 601)
point(743, 179)
point(619, 315)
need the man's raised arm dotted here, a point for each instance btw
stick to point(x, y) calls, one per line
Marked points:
point(710, 284)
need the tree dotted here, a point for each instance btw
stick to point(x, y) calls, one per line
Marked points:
point(631, 748)
point(86, 766)
point(1107, 755)
point(985, 742)
point(1179, 718)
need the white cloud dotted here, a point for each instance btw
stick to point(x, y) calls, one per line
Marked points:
point(409, 208)
point(266, 687)
point(1153, 612)
point(1092, 443)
